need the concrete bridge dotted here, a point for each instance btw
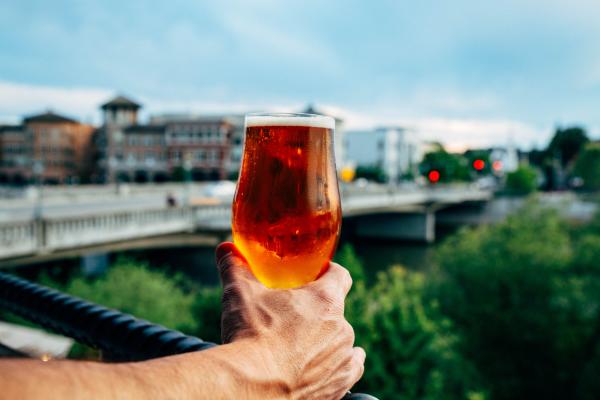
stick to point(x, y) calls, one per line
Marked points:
point(382, 212)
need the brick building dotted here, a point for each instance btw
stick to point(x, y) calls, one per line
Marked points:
point(47, 146)
point(200, 146)
point(142, 156)
point(169, 148)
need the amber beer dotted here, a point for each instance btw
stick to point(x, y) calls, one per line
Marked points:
point(286, 210)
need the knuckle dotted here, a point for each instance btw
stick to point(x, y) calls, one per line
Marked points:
point(348, 332)
point(347, 277)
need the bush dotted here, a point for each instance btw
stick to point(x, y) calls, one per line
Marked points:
point(370, 172)
point(347, 257)
point(522, 181)
point(132, 288)
point(411, 349)
point(206, 309)
point(588, 166)
point(527, 303)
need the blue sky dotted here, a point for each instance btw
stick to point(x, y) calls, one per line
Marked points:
point(467, 73)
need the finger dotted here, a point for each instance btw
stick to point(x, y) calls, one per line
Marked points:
point(337, 276)
point(358, 364)
point(231, 264)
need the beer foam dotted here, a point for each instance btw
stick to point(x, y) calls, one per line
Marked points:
point(311, 120)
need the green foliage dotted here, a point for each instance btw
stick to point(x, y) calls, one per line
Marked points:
point(484, 155)
point(347, 257)
point(522, 181)
point(567, 143)
point(588, 166)
point(527, 302)
point(452, 167)
point(370, 172)
point(206, 309)
point(134, 289)
point(179, 174)
point(412, 351)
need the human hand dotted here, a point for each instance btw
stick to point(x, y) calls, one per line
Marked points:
point(301, 335)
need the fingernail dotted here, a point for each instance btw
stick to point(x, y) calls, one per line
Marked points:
point(223, 250)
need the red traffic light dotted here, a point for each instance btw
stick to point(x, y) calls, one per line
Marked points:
point(479, 164)
point(497, 165)
point(433, 176)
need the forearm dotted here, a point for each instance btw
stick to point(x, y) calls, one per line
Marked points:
point(232, 371)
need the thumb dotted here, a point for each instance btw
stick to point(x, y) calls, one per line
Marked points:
point(231, 265)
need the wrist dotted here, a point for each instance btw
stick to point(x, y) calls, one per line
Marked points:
point(256, 369)
point(244, 369)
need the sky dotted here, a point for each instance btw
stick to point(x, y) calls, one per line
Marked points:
point(466, 73)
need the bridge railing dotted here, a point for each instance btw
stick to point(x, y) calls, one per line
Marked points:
point(18, 238)
point(120, 337)
point(104, 228)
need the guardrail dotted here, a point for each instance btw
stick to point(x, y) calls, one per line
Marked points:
point(121, 337)
point(50, 234)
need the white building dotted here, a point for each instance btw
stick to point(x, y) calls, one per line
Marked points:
point(396, 150)
point(504, 159)
point(338, 137)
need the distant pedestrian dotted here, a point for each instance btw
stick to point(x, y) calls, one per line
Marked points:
point(171, 201)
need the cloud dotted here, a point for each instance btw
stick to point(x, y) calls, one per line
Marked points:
point(457, 134)
point(18, 100)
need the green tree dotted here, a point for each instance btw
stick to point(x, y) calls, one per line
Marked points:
point(522, 181)
point(483, 155)
point(133, 288)
point(178, 174)
point(588, 166)
point(567, 143)
point(411, 349)
point(527, 303)
point(206, 310)
point(452, 167)
point(370, 172)
point(347, 257)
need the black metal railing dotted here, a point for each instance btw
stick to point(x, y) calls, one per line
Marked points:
point(120, 336)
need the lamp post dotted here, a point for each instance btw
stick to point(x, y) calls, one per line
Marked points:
point(187, 176)
point(112, 168)
point(38, 174)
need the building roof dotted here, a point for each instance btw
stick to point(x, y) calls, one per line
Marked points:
point(311, 109)
point(4, 128)
point(49, 117)
point(145, 129)
point(120, 102)
point(185, 118)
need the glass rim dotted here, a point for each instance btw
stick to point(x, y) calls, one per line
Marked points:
point(289, 119)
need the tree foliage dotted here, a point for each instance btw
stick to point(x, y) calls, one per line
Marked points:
point(133, 288)
point(588, 166)
point(371, 172)
point(452, 167)
point(567, 143)
point(522, 181)
point(412, 350)
point(526, 300)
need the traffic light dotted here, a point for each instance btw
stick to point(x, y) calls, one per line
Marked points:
point(479, 164)
point(433, 176)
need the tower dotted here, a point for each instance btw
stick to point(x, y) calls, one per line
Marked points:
point(120, 111)
point(117, 114)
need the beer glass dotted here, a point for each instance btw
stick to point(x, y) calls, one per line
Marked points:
point(286, 210)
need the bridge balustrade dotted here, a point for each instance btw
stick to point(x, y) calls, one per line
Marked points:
point(18, 238)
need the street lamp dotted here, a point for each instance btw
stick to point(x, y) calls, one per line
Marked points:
point(187, 172)
point(38, 172)
point(112, 171)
